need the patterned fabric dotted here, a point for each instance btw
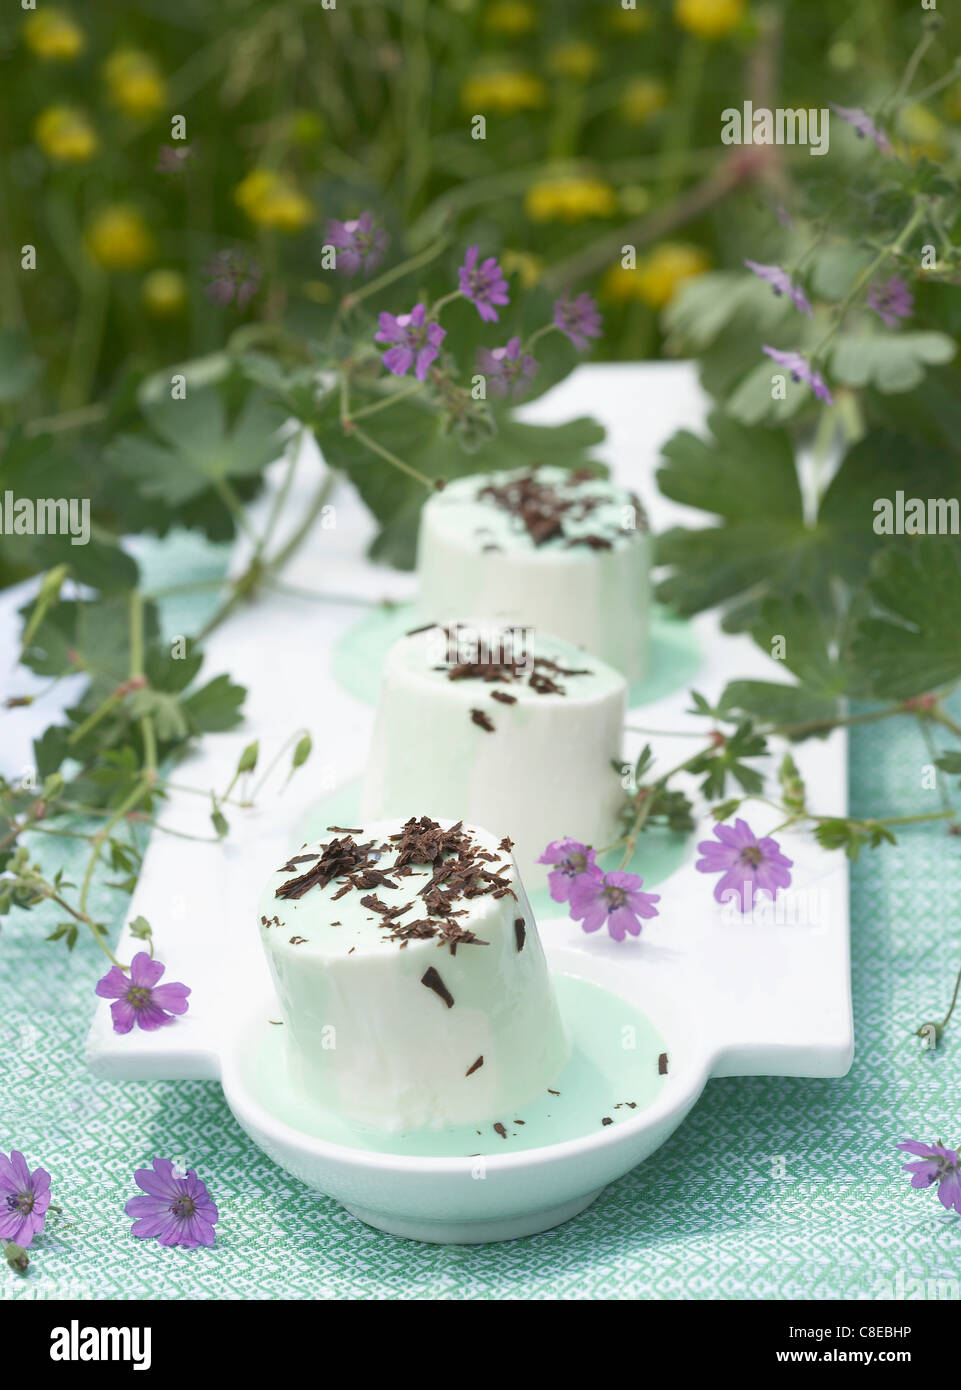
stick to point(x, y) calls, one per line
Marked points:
point(772, 1188)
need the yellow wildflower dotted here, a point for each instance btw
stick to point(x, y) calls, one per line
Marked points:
point(618, 285)
point(643, 98)
point(136, 83)
point(53, 35)
point(708, 19)
point(922, 132)
point(665, 269)
point(503, 91)
point(271, 200)
point(527, 267)
point(65, 134)
point(318, 290)
point(118, 237)
point(636, 21)
point(512, 17)
point(164, 293)
point(569, 200)
point(577, 59)
point(306, 127)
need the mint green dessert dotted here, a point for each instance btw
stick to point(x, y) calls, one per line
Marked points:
point(559, 551)
point(412, 982)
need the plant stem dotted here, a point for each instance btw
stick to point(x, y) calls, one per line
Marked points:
point(867, 273)
point(385, 401)
point(397, 273)
point(392, 458)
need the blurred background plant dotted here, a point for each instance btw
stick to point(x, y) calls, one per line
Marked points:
point(171, 175)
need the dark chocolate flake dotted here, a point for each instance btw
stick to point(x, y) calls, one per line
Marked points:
point(662, 1064)
point(474, 1066)
point(520, 933)
point(607, 1120)
point(503, 697)
point(482, 720)
point(499, 1129)
point(433, 981)
point(298, 940)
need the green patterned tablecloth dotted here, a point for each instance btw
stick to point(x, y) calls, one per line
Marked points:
point(772, 1188)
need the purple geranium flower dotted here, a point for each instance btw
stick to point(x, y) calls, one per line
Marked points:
point(780, 282)
point(579, 318)
point(748, 865)
point(892, 300)
point(801, 370)
point(484, 284)
point(417, 342)
point(571, 859)
point(857, 117)
point(175, 1211)
point(937, 1164)
point(615, 898)
point(359, 244)
point(24, 1198)
point(506, 369)
point(236, 276)
point(140, 999)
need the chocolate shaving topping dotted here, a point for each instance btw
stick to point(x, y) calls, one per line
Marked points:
point(458, 868)
point(474, 1066)
point(499, 1129)
point(433, 981)
point(338, 857)
point(607, 1120)
point(291, 864)
point(298, 940)
point(503, 696)
point(507, 844)
point(482, 720)
point(345, 830)
point(520, 933)
point(542, 508)
point(662, 1064)
point(595, 542)
point(552, 1093)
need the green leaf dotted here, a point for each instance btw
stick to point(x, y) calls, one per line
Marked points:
point(166, 711)
point(949, 762)
point(891, 362)
point(415, 435)
point(215, 707)
point(19, 367)
point(764, 545)
point(301, 752)
point(780, 705)
point(914, 646)
point(194, 446)
point(748, 478)
point(220, 822)
point(141, 929)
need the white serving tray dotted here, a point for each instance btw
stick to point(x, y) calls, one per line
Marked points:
point(761, 997)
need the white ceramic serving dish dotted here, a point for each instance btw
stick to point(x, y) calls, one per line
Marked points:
point(730, 997)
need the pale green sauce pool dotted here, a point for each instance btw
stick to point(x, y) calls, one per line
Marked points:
point(612, 1072)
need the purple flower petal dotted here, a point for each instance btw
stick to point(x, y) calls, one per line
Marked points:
point(781, 283)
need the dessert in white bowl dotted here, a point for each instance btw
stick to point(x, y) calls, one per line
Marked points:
point(411, 977)
point(546, 547)
point(503, 727)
